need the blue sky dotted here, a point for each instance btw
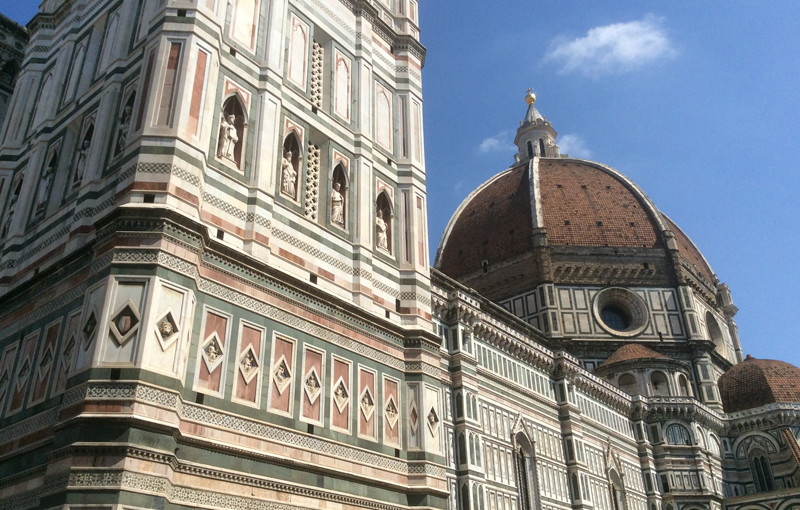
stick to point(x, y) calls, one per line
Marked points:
point(697, 102)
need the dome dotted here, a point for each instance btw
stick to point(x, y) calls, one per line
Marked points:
point(568, 206)
point(554, 219)
point(632, 352)
point(757, 382)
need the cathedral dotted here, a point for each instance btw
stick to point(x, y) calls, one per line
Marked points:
point(216, 292)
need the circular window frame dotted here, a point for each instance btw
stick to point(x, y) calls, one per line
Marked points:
point(625, 301)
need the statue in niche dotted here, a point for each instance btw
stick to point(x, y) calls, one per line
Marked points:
point(382, 239)
point(45, 186)
point(12, 207)
point(288, 175)
point(124, 127)
point(337, 205)
point(228, 137)
point(80, 164)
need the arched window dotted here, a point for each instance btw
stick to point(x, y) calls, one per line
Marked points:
point(525, 467)
point(459, 405)
point(462, 449)
point(530, 149)
point(339, 190)
point(464, 497)
point(714, 332)
point(627, 383)
point(760, 469)
point(660, 385)
point(677, 434)
point(541, 148)
point(683, 386)
point(383, 223)
point(576, 490)
point(232, 124)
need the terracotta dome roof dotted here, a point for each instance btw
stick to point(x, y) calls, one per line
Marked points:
point(757, 382)
point(577, 203)
point(494, 223)
point(583, 205)
point(689, 251)
point(630, 352)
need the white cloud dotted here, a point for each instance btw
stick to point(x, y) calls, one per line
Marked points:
point(615, 48)
point(498, 143)
point(574, 146)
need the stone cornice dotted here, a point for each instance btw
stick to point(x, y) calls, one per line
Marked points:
point(765, 417)
point(681, 408)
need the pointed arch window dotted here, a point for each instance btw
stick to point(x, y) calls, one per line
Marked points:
point(617, 490)
point(541, 148)
point(525, 472)
point(383, 223)
point(232, 131)
point(530, 149)
point(761, 471)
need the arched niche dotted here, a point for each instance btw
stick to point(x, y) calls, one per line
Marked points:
point(339, 196)
point(290, 164)
point(232, 124)
point(46, 182)
point(660, 384)
point(714, 332)
point(82, 154)
point(683, 386)
point(383, 222)
point(125, 121)
point(628, 384)
point(13, 199)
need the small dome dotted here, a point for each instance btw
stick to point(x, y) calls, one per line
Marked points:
point(757, 382)
point(631, 352)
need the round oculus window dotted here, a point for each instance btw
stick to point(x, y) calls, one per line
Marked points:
point(620, 312)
